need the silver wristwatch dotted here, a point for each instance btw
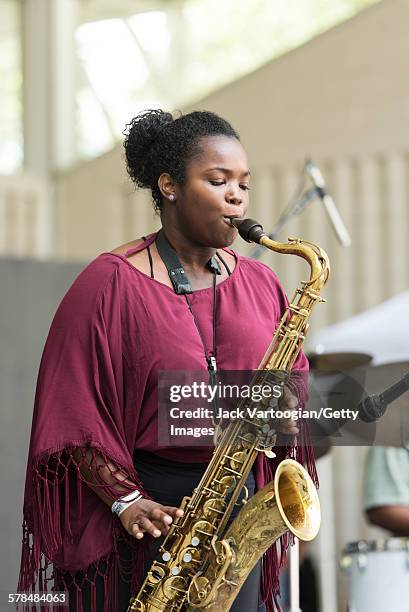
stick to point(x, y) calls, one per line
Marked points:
point(122, 503)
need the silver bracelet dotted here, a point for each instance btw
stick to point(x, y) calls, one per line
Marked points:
point(124, 502)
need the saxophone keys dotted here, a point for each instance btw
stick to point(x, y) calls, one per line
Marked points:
point(156, 574)
point(195, 541)
point(243, 500)
point(229, 469)
point(189, 555)
point(175, 571)
point(199, 589)
point(205, 533)
point(230, 583)
point(236, 460)
point(173, 588)
point(202, 527)
point(137, 606)
point(224, 485)
point(213, 507)
point(166, 556)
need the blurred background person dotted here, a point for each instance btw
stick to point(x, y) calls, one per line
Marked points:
point(386, 489)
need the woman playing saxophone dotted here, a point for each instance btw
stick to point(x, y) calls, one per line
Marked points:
point(100, 489)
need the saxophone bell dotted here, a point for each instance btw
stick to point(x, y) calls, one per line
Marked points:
point(289, 503)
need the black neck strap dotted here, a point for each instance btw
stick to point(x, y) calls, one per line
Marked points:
point(177, 274)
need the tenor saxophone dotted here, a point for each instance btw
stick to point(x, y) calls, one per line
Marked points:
point(200, 564)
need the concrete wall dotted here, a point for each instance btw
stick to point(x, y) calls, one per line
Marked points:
point(30, 293)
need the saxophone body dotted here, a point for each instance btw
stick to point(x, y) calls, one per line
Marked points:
point(203, 561)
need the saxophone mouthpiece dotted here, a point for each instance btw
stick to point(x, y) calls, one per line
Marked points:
point(235, 221)
point(249, 229)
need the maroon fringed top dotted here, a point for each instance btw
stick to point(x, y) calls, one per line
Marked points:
point(97, 387)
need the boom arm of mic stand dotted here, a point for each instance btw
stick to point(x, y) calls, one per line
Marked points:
point(286, 216)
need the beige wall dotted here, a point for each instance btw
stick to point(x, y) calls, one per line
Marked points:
point(343, 99)
point(344, 93)
point(26, 216)
point(98, 208)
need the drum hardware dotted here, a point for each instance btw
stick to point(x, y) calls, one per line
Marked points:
point(362, 559)
point(378, 573)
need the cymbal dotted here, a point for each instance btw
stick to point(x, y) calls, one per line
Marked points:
point(338, 361)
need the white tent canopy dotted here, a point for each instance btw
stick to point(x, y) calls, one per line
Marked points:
point(382, 331)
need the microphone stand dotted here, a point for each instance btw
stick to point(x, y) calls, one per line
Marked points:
point(318, 191)
point(285, 217)
point(294, 577)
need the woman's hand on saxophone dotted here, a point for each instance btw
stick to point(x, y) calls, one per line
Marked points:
point(288, 402)
point(147, 516)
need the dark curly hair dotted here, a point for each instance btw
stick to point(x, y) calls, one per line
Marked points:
point(155, 143)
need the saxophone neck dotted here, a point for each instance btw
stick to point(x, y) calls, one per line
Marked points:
point(252, 231)
point(314, 255)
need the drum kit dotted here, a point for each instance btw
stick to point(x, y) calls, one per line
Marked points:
point(378, 570)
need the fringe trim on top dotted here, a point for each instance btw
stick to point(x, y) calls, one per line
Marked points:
point(56, 480)
point(276, 556)
point(98, 581)
point(47, 527)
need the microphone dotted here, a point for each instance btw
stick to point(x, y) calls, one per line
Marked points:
point(321, 189)
point(374, 406)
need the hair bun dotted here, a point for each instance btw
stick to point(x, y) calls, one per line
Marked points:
point(140, 135)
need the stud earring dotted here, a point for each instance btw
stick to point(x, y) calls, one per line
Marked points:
point(171, 197)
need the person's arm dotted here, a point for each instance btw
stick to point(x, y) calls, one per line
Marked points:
point(392, 518)
point(386, 489)
point(107, 480)
point(110, 483)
